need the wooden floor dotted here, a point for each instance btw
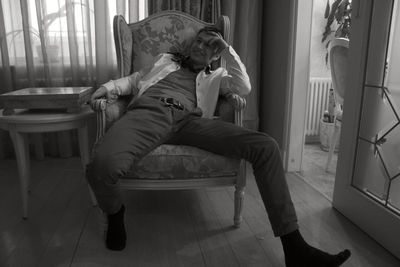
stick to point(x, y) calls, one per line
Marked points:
point(165, 228)
point(313, 169)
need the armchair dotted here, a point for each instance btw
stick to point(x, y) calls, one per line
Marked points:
point(170, 167)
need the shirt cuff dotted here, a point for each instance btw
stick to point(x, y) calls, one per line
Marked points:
point(226, 51)
point(111, 87)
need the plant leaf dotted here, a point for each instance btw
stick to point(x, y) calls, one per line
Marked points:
point(340, 11)
point(327, 9)
point(326, 58)
point(339, 31)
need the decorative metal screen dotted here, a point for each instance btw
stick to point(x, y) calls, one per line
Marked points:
point(377, 164)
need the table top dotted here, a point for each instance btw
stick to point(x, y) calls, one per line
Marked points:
point(48, 91)
point(34, 116)
point(69, 98)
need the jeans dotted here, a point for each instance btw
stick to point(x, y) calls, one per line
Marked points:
point(149, 123)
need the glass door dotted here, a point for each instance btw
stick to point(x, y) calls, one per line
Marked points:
point(367, 188)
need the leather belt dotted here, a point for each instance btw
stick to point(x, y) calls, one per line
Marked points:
point(171, 102)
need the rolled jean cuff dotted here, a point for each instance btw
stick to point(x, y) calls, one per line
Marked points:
point(109, 205)
point(285, 228)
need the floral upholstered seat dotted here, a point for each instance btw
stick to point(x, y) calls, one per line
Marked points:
point(172, 162)
point(170, 166)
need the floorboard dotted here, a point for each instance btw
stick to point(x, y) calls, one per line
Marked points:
point(210, 233)
point(165, 228)
point(244, 244)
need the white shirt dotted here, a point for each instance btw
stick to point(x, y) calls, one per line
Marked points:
point(233, 78)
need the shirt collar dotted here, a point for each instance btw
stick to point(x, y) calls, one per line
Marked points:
point(182, 60)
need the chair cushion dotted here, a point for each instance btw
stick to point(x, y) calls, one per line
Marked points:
point(181, 162)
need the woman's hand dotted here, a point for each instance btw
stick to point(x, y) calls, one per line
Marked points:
point(102, 92)
point(217, 42)
point(236, 101)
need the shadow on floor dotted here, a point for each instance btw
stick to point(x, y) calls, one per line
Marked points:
point(313, 169)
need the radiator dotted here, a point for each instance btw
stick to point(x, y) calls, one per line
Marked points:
point(318, 90)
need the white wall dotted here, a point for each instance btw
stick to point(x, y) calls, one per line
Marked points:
point(318, 67)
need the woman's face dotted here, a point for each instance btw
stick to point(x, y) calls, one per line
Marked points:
point(202, 53)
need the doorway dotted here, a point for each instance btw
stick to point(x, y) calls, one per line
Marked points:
point(366, 188)
point(319, 126)
point(304, 152)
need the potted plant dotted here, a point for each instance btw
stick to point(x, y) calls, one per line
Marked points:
point(52, 49)
point(338, 23)
point(50, 45)
point(48, 42)
point(340, 13)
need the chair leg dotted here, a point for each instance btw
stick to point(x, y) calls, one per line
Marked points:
point(332, 145)
point(239, 195)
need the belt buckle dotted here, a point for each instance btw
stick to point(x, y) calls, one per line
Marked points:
point(166, 101)
point(169, 101)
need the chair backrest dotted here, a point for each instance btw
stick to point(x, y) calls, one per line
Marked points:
point(338, 57)
point(168, 31)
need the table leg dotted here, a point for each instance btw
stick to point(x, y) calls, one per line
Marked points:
point(21, 148)
point(85, 156)
point(332, 145)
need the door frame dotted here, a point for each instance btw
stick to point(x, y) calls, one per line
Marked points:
point(366, 213)
point(298, 79)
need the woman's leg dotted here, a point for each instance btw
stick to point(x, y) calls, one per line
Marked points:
point(263, 153)
point(260, 150)
point(146, 125)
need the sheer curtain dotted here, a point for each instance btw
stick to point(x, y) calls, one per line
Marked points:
point(247, 25)
point(207, 10)
point(48, 43)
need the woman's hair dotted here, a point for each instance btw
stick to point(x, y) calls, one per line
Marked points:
point(182, 56)
point(210, 29)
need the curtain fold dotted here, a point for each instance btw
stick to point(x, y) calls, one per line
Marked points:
point(262, 32)
point(46, 43)
point(246, 17)
point(207, 10)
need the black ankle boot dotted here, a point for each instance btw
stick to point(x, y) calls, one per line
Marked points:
point(300, 254)
point(116, 234)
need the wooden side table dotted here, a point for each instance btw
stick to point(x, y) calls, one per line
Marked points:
point(25, 121)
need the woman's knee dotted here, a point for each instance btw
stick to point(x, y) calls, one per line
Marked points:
point(104, 167)
point(271, 146)
point(265, 147)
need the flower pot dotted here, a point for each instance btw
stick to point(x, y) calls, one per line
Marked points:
point(51, 51)
point(326, 130)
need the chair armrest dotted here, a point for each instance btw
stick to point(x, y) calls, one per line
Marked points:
point(107, 113)
point(226, 111)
